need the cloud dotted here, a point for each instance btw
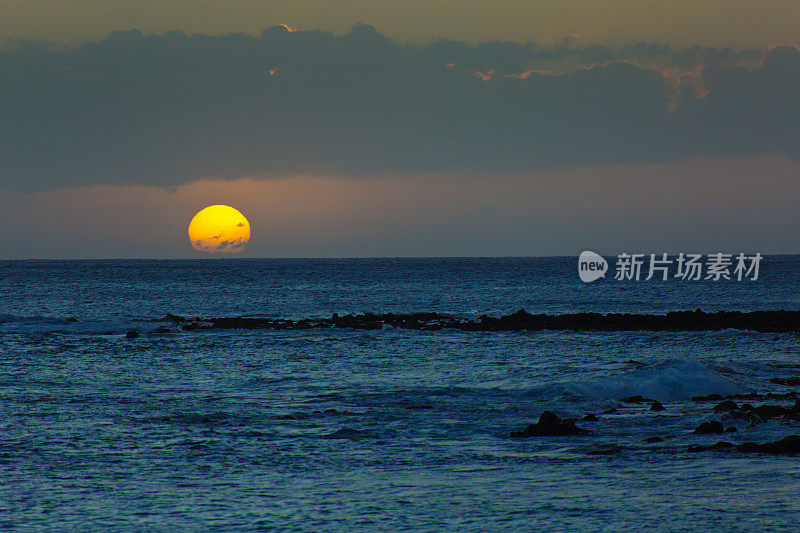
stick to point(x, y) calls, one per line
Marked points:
point(168, 109)
point(227, 246)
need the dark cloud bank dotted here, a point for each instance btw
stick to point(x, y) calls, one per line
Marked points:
point(166, 109)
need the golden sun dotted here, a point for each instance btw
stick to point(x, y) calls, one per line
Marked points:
point(219, 229)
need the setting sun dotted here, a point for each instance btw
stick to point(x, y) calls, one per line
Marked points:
point(219, 229)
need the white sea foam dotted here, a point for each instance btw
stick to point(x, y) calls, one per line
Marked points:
point(674, 380)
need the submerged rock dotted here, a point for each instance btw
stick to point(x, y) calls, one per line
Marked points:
point(606, 449)
point(589, 418)
point(726, 406)
point(789, 445)
point(549, 425)
point(348, 433)
point(770, 411)
point(795, 408)
point(784, 446)
point(707, 398)
point(707, 428)
point(793, 380)
point(656, 406)
point(635, 399)
point(789, 395)
point(721, 445)
point(132, 334)
point(761, 413)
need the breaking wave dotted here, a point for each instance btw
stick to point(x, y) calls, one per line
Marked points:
point(673, 380)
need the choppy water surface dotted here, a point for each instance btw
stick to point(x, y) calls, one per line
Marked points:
point(341, 430)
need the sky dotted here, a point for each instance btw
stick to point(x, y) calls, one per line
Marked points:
point(364, 129)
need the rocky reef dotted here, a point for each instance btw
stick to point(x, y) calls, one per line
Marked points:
point(550, 425)
point(778, 321)
point(723, 411)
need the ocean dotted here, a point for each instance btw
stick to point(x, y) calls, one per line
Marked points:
point(387, 429)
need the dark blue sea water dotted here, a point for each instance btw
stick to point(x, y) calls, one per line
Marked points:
point(380, 430)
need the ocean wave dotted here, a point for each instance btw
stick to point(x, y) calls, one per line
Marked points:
point(673, 380)
point(51, 324)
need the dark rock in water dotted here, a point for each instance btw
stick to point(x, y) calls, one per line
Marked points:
point(651, 440)
point(707, 428)
point(793, 412)
point(721, 445)
point(175, 319)
point(726, 407)
point(607, 449)
point(610, 411)
point(746, 412)
point(72, 319)
point(348, 433)
point(132, 334)
point(786, 445)
point(769, 411)
point(748, 447)
point(162, 329)
point(794, 380)
point(656, 406)
point(549, 425)
point(589, 418)
point(731, 429)
point(710, 397)
point(748, 396)
point(418, 406)
point(635, 399)
point(741, 414)
point(303, 415)
point(789, 395)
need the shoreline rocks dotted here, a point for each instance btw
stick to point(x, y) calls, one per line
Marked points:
point(550, 425)
point(778, 321)
point(788, 445)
